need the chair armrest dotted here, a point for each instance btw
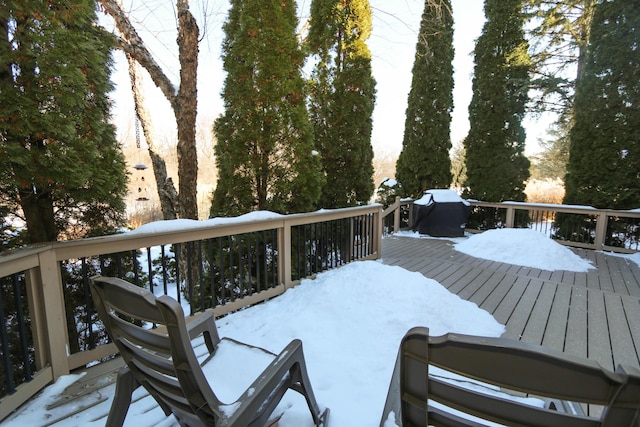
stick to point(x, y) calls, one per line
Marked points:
point(267, 390)
point(204, 324)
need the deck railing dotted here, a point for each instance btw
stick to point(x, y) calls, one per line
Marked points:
point(221, 267)
point(577, 226)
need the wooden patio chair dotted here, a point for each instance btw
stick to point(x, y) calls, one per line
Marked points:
point(162, 360)
point(418, 397)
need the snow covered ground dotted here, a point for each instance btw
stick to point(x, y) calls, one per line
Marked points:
point(351, 321)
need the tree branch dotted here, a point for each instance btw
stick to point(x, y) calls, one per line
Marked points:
point(134, 46)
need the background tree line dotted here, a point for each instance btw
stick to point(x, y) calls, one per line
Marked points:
point(576, 58)
point(291, 145)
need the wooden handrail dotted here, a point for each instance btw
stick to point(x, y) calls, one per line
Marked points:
point(602, 218)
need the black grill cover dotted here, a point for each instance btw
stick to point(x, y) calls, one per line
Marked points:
point(441, 213)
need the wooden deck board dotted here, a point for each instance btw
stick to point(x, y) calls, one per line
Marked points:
point(537, 323)
point(622, 345)
point(598, 343)
point(556, 329)
point(632, 313)
point(576, 335)
point(522, 311)
point(590, 314)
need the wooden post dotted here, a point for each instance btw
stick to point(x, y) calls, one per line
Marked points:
point(378, 228)
point(396, 215)
point(36, 299)
point(284, 254)
point(601, 229)
point(53, 307)
point(511, 213)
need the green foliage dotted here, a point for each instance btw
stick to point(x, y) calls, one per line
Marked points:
point(60, 165)
point(265, 151)
point(424, 162)
point(558, 35)
point(604, 160)
point(342, 99)
point(496, 166)
point(551, 163)
point(387, 192)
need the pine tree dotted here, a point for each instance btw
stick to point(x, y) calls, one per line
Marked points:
point(60, 165)
point(558, 35)
point(342, 99)
point(496, 166)
point(265, 154)
point(424, 162)
point(604, 158)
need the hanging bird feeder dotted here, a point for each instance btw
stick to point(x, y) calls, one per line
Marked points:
point(143, 189)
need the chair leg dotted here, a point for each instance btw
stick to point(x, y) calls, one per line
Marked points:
point(125, 385)
point(302, 384)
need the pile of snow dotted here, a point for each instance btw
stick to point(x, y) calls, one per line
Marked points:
point(351, 321)
point(525, 247)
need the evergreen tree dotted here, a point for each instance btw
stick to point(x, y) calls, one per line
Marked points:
point(424, 162)
point(558, 35)
point(496, 166)
point(342, 99)
point(604, 157)
point(265, 154)
point(61, 168)
point(551, 163)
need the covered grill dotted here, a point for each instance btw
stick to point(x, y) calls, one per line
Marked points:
point(441, 213)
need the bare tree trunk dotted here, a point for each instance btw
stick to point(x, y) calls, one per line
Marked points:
point(166, 190)
point(187, 105)
point(184, 103)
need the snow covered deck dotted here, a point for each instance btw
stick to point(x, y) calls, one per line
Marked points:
point(594, 314)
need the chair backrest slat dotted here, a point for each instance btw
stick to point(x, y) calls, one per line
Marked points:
point(500, 410)
point(430, 398)
point(143, 337)
point(523, 367)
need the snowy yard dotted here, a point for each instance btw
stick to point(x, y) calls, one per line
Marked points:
point(351, 321)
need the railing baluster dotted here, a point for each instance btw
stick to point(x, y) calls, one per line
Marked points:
point(189, 276)
point(201, 275)
point(163, 263)
point(259, 245)
point(22, 331)
point(274, 261)
point(136, 266)
point(222, 271)
point(6, 350)
point(176, 254)
point(232, 275)
point(150, 268)
point(87, 303)
point(212, 274)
